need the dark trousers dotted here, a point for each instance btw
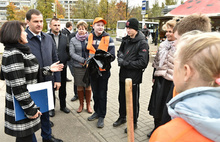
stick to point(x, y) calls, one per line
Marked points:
point(62, 90)
point(28, 138)
point(122, 101)
point(71, 70)
point(99, 89)
point(45, 126)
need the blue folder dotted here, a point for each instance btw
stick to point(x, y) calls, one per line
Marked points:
point(39, 97)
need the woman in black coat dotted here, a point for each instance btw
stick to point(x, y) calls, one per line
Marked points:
point(20, 68)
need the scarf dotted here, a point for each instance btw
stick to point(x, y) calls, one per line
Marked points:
point(23, 48)
point(81, 37)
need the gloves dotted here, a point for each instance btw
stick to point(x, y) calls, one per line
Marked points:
point(120, 60)
point(120, 54)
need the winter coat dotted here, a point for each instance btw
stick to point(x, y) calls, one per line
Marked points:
point(20, 68)
point(45, 52)
point(75, 50)
point(199, 107)
point(66, 32)
point(63, 47)
point(135, 58)
point(164, 60)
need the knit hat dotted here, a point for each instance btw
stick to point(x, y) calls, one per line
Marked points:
point(132, 23)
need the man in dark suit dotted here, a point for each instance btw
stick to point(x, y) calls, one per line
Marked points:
point(43, 47)
point(62, 43)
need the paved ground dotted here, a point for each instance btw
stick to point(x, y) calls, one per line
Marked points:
point(75, 127)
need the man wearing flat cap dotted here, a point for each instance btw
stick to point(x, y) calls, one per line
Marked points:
point(101, 40)
point(133, 58)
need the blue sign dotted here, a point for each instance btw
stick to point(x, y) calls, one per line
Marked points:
point(144, 5)
point(143, 12)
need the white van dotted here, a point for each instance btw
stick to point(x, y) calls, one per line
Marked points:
point(121, 28)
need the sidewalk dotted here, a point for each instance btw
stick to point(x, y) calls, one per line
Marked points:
point(75, 127)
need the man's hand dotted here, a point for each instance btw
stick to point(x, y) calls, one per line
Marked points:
point(57, 85)
point(36, 115)
point(120, 60)
point(55, 67)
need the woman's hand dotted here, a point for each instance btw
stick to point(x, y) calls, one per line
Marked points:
point(55, 67)
point(36, 115)
point(83, 64)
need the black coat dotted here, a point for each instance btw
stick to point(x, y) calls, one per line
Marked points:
point(63, 48)
point(135, 57)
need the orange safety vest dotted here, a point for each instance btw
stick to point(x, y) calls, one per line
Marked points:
point(103, 45)
point(177, 130)
point(174, 91)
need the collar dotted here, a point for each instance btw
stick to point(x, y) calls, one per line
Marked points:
point(34, 33)
point(54, 34)
point(68, 30)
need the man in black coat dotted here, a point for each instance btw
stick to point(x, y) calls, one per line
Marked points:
point(67, 30)
point(70, 35)
point(133, 58)
point(62, 48)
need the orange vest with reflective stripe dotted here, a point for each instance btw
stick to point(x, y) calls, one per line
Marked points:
point(103, 45)
point(174, 91)
point(177, 130)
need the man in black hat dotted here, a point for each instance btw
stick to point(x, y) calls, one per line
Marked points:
point(133, 58)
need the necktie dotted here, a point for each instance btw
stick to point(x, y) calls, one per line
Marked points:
point(39, 37)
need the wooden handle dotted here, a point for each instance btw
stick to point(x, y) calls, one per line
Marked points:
point(129, 108)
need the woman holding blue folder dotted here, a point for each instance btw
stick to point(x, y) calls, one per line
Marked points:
point(20, 68)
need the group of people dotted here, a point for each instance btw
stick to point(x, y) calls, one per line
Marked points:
point(186, 75)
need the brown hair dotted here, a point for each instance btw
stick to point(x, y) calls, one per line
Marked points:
point(194, 22)
point(82, 23)
point(11, 32)
point(202, 52)
point(68, 24)
point(31, 12)
point(55, 19)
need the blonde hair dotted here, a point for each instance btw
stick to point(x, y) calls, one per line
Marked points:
point(169, 24)
point(82, 23)
point(202, 52)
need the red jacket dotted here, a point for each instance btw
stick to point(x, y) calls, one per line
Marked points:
point(177, 130)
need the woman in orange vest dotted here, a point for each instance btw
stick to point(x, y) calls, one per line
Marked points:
point(99, 39)
point(195, 111)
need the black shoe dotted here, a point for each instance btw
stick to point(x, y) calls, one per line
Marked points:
point(51, 124)
point(53, 139)
point(74, 98)
point(65, 109)
point(68, 80)
point(135, 127)
point(119, 122)
point(149, 134)
point(52, 113)
point(93, 117)
point(100, 123)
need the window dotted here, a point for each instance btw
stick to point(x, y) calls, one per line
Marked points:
point(121, 25)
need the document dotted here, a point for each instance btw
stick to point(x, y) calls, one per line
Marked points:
point(41, 94)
